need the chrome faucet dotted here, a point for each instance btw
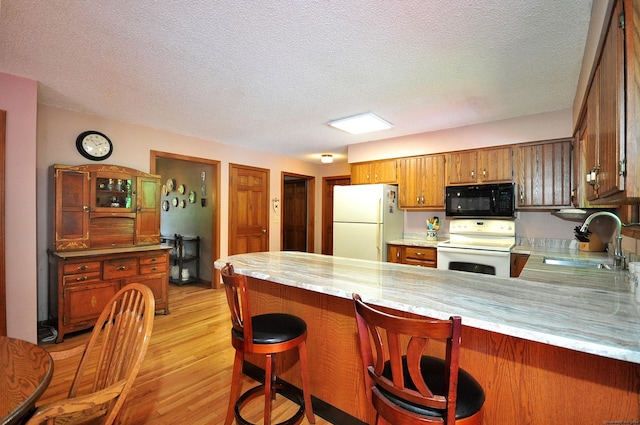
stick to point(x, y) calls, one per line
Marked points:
point(618, 258)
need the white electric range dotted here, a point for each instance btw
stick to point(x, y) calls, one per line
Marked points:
point(478, 245)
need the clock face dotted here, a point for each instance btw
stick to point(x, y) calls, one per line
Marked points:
point(94, 145)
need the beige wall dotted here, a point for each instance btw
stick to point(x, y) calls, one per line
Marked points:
point(551, 125)
point(57, 132)
point(18, 96)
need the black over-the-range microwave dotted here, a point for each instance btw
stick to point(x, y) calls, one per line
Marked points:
point(481, 200)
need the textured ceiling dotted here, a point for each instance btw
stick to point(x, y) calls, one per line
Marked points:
point(268, 75)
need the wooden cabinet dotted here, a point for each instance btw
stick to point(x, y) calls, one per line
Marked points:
point(104, 206)
point(480, 166)
point(608, 170)
point(412, 255)
point(374, 172)
point(518, 261)
point(603, 172)
point(105, 233)
point(421, 182)
point(544, 174)
point(82, 282)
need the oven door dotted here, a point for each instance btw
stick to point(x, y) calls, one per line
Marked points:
point(496, 263)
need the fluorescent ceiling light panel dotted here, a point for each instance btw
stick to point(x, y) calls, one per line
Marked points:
point(359, 124)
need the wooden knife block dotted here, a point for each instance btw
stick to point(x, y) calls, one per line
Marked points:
point(594, 244)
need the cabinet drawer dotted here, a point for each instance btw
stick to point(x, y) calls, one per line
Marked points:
point(78, 268)
point(119, 268)
point(81, 278)
point(153, 264)
point(153, 268)
point(416, 253)
point(153, 259)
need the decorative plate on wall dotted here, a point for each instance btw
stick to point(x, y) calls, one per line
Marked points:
point(192, 197)
point(165, 205)
point(174, 202)
point(181, 189)
point(182, 203)
point(171, 183)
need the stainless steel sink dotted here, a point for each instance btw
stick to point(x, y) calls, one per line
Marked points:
point(576, 263)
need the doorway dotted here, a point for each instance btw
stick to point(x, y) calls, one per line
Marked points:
point(198, 180)
point(298, 217)
point(328, 183)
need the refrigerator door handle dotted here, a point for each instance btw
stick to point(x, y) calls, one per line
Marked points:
point(378, 227)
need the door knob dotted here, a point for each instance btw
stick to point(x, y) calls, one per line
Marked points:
point(264, 230)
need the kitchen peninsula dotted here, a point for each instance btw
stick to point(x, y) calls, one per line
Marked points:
point(553, 346)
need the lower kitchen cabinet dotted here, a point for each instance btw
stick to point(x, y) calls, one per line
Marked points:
point(81, 283)
point(413, 255)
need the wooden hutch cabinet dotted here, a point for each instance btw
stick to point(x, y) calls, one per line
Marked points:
point(105, 234)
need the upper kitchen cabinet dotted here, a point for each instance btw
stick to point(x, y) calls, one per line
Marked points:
point(608, 129)
point(480, 166)
point(421, 182)
point(374, 172)
point(544, 174)
point(104, 206)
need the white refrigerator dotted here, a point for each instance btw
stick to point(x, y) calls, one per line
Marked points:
point(365, 218)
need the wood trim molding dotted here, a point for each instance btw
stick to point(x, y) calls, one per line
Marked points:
point(215, 208)
point(3, 287)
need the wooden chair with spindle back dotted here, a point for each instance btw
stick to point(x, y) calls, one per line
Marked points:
point(406, 386)
point(267, 334)
point(110, 362)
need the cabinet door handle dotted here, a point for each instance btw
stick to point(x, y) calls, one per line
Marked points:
point(473, 174)
point(81, 278)
point(484, 173)
point(120, 268)
point(86, 208)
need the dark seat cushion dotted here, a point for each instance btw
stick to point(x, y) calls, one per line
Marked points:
point(470, 393)
point(274, 328)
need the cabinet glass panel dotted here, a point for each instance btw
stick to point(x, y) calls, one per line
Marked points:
point(113, 193)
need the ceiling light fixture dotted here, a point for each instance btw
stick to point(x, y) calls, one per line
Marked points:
point(326, 158)
point(363, 123)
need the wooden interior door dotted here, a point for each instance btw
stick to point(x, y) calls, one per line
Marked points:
point(248, 209)
point(294, 215)
point(328, 183)
point(3, 290)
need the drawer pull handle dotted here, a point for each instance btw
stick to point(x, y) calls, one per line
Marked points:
point(154, 259)
point(120, 268)
point(81, 278)
point(153, 269)
point(419, 253)
point(82, 268)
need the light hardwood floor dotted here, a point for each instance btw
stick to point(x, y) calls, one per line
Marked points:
point(186, 374)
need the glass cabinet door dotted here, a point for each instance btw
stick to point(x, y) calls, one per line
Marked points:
point(114, 193)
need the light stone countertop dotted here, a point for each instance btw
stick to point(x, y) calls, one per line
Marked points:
point(588, 310)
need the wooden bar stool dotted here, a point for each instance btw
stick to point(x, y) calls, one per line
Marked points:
point(266, 334)
point(407, 387)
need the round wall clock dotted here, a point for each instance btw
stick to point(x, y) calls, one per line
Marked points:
point(94, 145)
